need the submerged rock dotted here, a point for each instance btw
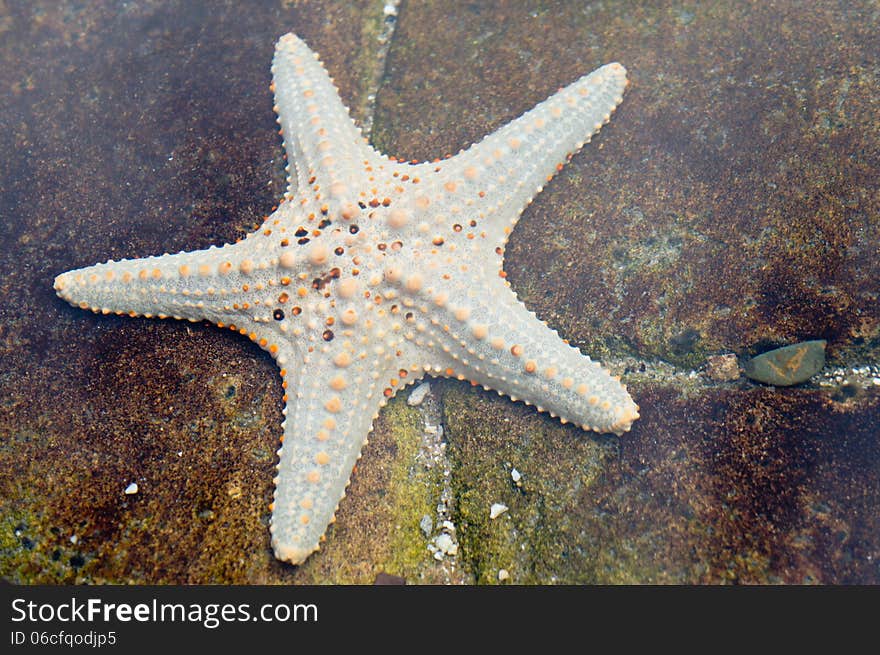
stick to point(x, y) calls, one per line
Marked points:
point(788, 365)
point(722, 368)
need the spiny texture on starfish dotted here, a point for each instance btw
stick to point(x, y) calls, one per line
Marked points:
point(372, 273)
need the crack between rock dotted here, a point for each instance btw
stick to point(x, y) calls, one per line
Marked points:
point(441, 537)
point(377, 77)
point(635, 370)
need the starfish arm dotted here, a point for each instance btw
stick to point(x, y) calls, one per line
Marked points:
point(496, 342)
point(325, 149)
point(333, 399)
point(500, 175)
point(215, 284)
point(164, 286)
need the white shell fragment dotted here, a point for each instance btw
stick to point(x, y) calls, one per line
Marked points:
point(446, 545)
point(426, 525)
point(497, 510)
point(417, 395)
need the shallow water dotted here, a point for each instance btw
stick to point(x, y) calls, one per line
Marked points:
point(729, 206)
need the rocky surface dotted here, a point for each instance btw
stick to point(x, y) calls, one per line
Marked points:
point(729, 207)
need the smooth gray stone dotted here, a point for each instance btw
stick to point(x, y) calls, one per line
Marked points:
point(788, 365)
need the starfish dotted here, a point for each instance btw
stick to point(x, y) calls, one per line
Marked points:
point(373, 273)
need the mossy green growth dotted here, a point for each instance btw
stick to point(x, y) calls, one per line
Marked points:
point(414, 489)
point(572, 517)
point(544, 536)
point(25, 561)
point(12, 552)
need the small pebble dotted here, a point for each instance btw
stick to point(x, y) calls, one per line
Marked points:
point(131, 489)
point(722, 368)
point(417, 395)
point(446, 545)
point(503, 575)
point(497, 510)
point(516, 476)
point(426, 525)
point(788, 365)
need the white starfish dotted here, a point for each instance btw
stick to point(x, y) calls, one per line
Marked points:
point(372, 273)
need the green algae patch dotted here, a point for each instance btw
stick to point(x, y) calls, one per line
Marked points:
point(26, 556)
point(540, 538)
point(414, 490)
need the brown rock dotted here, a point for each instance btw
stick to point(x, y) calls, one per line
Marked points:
point(722, 368)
